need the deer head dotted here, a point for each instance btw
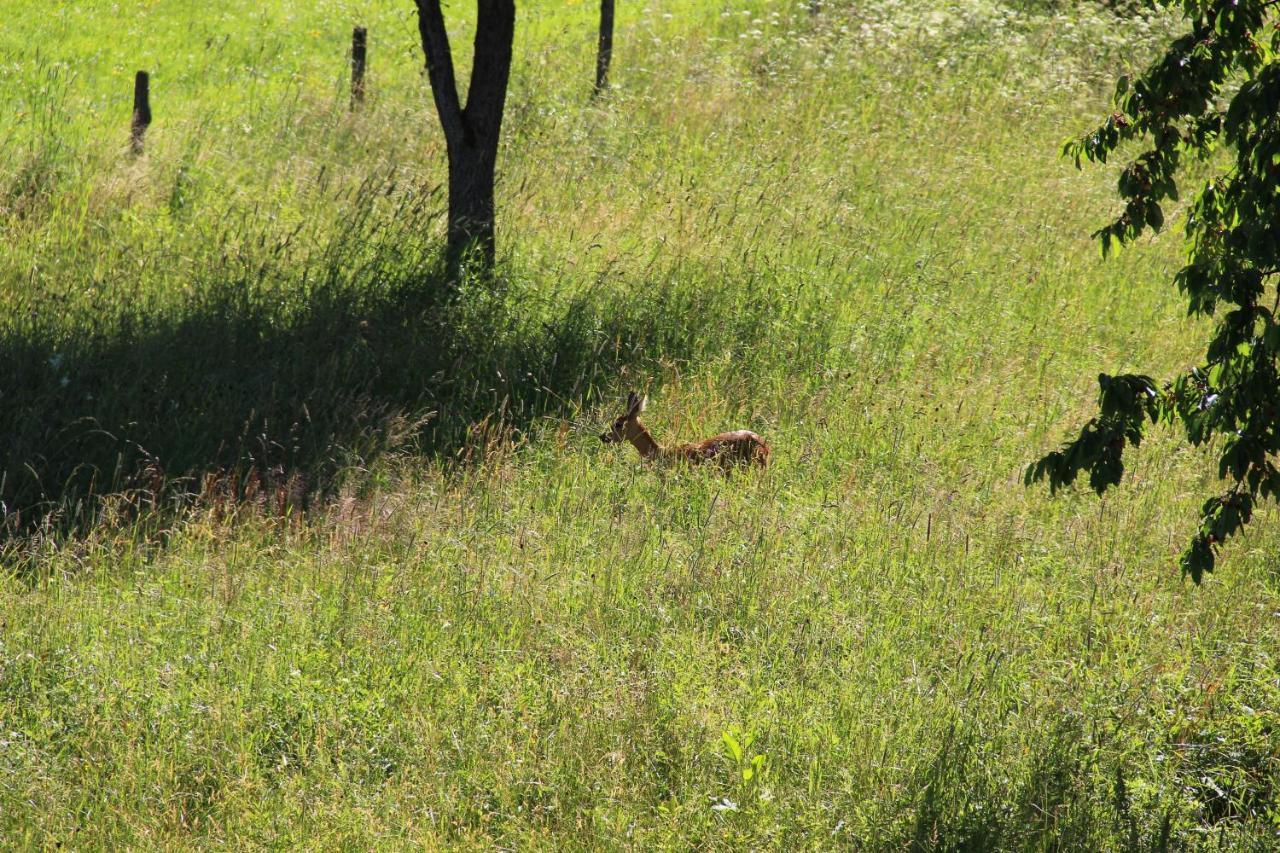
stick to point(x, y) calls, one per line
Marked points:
point(627, 425)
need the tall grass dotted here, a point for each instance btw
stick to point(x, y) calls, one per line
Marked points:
point(303, 550)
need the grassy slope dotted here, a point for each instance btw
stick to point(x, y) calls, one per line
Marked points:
point(856, 239)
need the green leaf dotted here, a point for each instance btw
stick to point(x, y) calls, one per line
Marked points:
point(1155, 216)
point(731, 743)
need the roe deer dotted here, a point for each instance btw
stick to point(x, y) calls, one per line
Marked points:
point(728, 448)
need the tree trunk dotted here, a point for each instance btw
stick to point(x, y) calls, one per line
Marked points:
point(472, 132)
point(605, 53)
point(471, 208)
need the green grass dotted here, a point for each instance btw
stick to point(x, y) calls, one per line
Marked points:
point(299, 551)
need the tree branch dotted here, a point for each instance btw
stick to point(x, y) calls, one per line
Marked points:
point(444, 87)
point(491, 68)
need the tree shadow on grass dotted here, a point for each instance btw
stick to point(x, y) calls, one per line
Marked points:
point(276, 391)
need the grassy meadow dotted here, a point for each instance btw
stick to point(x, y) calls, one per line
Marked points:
point(299, 549)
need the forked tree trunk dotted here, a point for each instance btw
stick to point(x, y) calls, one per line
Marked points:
point(472, 132)
point(605, 53)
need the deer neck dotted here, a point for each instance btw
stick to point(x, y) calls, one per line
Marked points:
point(642, 441)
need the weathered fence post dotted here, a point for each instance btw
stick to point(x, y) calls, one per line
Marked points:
point(604, 52)
point(359, 51)
point(141, 111)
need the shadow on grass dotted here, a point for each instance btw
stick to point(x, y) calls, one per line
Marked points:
point(1070, 794)
point(964, 806)
point(270, 390)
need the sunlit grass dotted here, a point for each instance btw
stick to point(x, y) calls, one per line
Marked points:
point(394, 591)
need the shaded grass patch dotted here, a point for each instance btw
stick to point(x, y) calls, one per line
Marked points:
point(269, 384)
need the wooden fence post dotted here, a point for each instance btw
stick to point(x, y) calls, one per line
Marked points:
point(604, 50)
point(359, 52)
point(141, 111)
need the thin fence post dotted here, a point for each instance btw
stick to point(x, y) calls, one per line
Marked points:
point(604, 52)
point(359, 53)
point(141, 111)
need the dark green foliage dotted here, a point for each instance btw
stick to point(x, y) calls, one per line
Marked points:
point(1125, 403)
point(1216, 86)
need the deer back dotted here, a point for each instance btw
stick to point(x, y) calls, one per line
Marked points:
point(728, 448)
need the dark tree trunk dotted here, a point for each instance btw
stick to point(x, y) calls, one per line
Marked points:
point(471, 208)
point(605, 53)
point(472, 132)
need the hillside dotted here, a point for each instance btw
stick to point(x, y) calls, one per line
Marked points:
point(300, 548)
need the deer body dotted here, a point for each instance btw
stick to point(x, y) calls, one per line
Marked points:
point(741, 447)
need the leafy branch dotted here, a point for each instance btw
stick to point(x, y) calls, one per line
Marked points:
point(1216, 86)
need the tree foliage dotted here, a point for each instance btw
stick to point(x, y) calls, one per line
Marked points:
point(1215, 88)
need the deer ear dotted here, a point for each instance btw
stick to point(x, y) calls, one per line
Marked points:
point(634, 404)
point(644, 401)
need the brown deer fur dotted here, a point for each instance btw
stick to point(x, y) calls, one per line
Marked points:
point(741, 447)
